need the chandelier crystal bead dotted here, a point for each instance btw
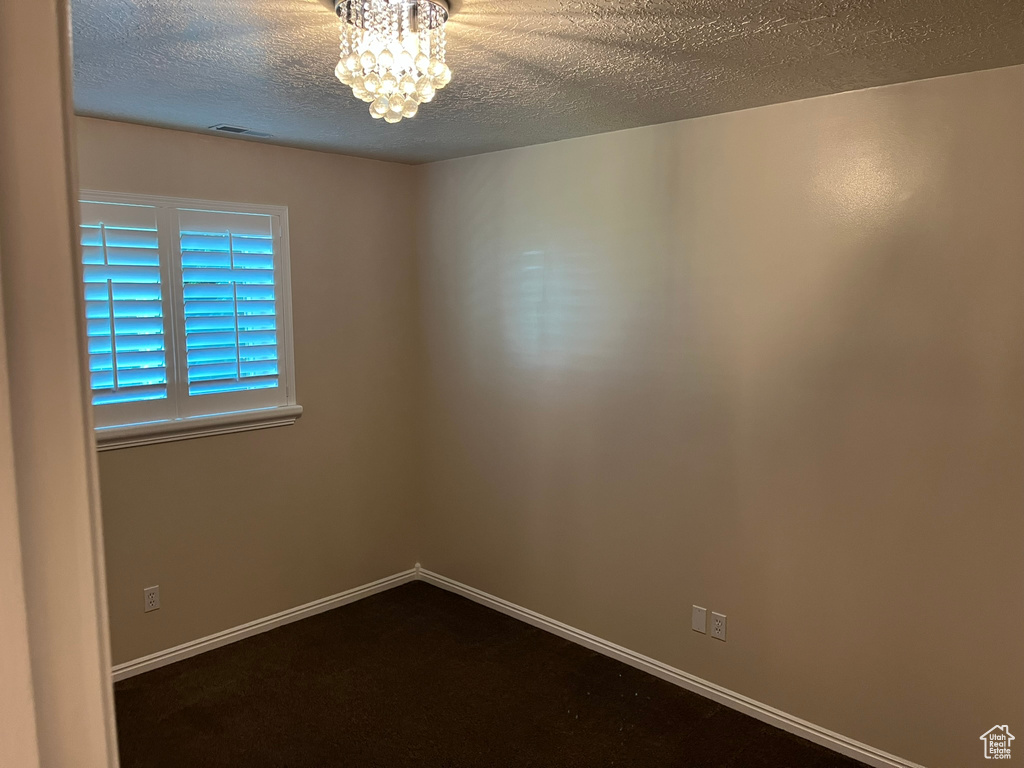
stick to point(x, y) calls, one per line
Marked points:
point(393, 54)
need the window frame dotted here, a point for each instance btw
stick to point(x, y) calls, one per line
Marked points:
point(237, 415)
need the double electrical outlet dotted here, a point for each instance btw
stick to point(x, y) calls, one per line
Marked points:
point(700, 623)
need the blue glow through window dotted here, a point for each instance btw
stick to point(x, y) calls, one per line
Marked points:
point(123, 306)
point(230, 310)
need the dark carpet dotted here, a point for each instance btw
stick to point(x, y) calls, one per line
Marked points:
point(418, 677)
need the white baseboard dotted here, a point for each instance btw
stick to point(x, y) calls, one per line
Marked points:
point(731, 699)
point(195, 647)
point(739, 702)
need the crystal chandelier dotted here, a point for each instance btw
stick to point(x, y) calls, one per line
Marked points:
point(392, 53)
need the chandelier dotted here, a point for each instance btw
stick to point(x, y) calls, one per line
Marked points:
point(392, 53)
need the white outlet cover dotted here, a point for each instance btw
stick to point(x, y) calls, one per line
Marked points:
point(151, 599)
point(699, 622)
point(718, 622)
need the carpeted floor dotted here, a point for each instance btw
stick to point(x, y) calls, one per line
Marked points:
point(418, 678)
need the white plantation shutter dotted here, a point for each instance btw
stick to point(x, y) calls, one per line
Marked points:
point(231, 308)
point(187, 311)
point(125, 308)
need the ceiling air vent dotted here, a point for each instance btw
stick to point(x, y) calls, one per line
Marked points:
point(238, 130)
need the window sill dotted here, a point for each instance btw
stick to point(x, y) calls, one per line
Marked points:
point(112, 438)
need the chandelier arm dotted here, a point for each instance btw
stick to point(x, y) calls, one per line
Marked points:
point(452, 6)
point(446, 6)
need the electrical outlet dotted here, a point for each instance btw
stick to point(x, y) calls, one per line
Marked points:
point(699, 622)
point(152, 598)
point(718, 626)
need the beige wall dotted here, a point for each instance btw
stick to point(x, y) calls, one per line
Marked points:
point(57, 701)
point(769, 362)
point(18, 744)
point(238, 527)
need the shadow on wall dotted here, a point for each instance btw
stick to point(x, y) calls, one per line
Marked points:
point(570, 329)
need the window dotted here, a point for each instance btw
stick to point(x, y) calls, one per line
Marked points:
point(188, 317)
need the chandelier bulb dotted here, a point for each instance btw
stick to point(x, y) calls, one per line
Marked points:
point(425, 88)
point(372, 82)
point(407, 84)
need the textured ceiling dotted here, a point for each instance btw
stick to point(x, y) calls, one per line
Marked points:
point(525, 71)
